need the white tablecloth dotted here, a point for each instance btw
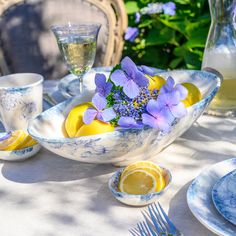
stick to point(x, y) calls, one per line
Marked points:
point(48, 195)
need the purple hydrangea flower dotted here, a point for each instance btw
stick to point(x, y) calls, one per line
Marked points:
point(146, 70)
point(130, 78)
point(137, 17)
point(158, 116)
point(169, 8)
point(169, 87)
point(172, 102)
point(131, 33)
point(103, 88)
point(129, 122)
point(98, 111)
point(171, 97)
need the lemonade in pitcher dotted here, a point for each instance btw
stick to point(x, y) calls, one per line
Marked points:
point(220, 54)
point(223, 59)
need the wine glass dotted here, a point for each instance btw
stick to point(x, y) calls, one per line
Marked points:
point(77, 44)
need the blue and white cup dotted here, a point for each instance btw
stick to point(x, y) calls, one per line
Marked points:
point(21, 99)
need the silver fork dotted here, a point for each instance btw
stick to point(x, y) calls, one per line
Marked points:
point(156, 223)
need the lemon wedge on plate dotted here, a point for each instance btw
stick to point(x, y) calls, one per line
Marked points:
point(27, 142)
point(17, 139)
point(194, 94)
point(14, 141)
point(142, 181)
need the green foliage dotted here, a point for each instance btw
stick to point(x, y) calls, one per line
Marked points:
point(169, 41)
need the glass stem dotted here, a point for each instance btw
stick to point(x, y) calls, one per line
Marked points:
point(81, 86)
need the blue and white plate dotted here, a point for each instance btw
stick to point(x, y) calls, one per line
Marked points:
point(224, 196)
point(199, 198)
point(69, 85)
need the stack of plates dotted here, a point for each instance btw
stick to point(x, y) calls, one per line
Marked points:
point(212, 198)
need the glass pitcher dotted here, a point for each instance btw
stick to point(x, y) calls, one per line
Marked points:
point(220, 54)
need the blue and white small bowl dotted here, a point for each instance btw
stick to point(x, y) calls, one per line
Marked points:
point(136, 199)
point(19, 155)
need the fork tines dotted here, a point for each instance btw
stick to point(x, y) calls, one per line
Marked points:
point(156, 223)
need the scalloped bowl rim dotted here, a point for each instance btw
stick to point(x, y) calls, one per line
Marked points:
point(117, 132)
point(148, 195)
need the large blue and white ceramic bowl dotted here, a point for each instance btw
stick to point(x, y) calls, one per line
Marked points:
point(120, 147)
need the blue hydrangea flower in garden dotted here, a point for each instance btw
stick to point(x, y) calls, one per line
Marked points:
point(152, 8)
point(137, 17)
point(125, 100)
point(98, 111)
point(131, 33)
point(169, 8)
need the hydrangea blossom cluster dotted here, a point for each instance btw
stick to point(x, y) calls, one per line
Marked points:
point(152, 8)
point(125, 100)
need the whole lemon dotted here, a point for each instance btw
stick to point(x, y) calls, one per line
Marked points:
point(156, 82)
point(95, 127)
point(194, 94)
point(74, 119)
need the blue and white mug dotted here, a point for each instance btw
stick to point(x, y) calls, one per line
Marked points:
point(21, 99)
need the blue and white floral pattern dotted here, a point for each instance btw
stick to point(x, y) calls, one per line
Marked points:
point(224, 196)
point(122, 146)
point(199, 197)
point(28, 110)
point(9, 100)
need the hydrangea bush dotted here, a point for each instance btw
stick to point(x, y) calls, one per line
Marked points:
point(126, 100)
point(167, 34)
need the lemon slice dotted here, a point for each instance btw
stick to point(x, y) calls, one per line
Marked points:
point(27, 142)
point(140, 165)
point(95, 127)
point(74, 119)
point(141, 181)
point(156, 82)
point(14, 141)
point(194, 94)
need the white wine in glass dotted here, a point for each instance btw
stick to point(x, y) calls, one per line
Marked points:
point(77, 44)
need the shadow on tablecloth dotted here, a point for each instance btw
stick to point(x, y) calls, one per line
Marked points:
point(47, 166)
point(182, 217)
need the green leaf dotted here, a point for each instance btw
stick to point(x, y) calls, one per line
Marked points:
point(131, 7)
point(145, 23)
point(156, 37)
point(179, 26)
point(193, 61)
point(197, 38)
point(180, 51)
point(174, 63)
